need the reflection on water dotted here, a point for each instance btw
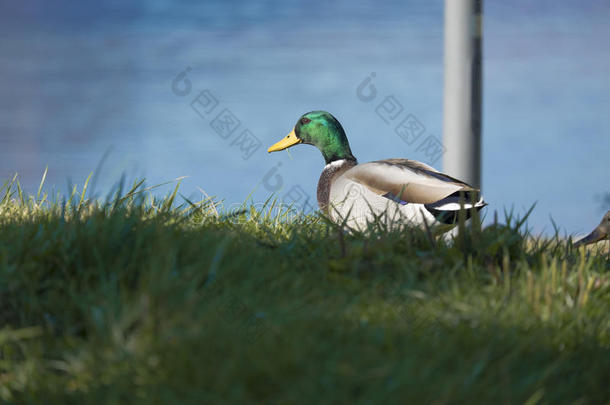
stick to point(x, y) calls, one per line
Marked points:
point(81, 79)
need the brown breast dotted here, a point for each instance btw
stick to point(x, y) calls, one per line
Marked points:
point(330, 172)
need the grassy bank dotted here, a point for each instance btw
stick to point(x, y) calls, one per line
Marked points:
point(167, 301)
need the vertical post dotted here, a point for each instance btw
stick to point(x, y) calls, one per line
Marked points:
point(462, 101)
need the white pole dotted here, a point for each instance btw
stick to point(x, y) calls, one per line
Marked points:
point(462, 103)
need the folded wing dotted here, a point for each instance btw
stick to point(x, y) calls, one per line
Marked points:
point(406, 180)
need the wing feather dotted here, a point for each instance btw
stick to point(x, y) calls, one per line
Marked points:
point(407, 180)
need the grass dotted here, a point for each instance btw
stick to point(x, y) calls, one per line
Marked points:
point(139, 300)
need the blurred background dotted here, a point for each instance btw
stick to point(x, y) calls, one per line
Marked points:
point(161, 89)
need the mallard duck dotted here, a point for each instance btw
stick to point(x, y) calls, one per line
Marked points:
point(602, 231)
point(393, 190)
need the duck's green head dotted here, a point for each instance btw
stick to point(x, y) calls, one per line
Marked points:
point(322, 130)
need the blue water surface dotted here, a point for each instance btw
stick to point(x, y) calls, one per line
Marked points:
point(81, 80)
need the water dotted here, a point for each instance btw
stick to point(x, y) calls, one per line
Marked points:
point(83, 80)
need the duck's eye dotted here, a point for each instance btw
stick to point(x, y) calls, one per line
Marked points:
point(305, 120)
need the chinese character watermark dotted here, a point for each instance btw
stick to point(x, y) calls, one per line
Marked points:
point(225, 124)
point(408, 128)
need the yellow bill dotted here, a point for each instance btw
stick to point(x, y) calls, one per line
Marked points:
point(285, 142)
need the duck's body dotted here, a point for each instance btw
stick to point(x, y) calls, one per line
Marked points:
point(396, 191)
point(602, 231)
